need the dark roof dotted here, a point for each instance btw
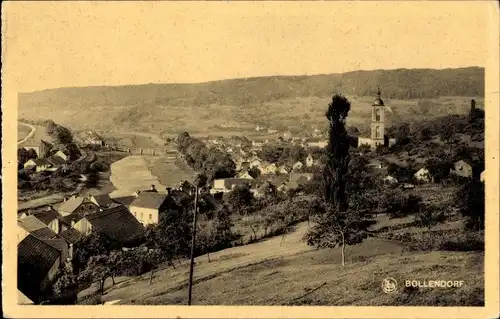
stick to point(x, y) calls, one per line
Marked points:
point(117, 224)
point(36, 227)
point(149, 200)
point(71, 235)
point(60, 244)
point(46, 216)
point(34, 260)
point(103, 200)
point(125, 200)
point(41, 161)
point(56, 160)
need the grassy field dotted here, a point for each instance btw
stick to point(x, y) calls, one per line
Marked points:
point(283, 114)
point(171, 171)
point(288, 272)
point(22, 131)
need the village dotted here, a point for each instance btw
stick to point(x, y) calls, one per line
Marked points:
point(268, 170)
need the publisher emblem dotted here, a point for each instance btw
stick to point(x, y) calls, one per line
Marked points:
point(389, 285)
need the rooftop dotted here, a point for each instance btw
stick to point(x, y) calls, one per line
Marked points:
point(149, 200)
point(117, 224)
point(34, 260)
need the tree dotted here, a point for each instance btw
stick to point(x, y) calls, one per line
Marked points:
point(240, 198)
point(353, 131)
point(337, 166)
point(218, 165)
point(337, 223)
point(153, 258)
point(222, 224)
point(402, 134)
point(98, 269)
point(439, 168)
point(470, 202)
point(428, 216)
point(65, 280)
point(333, 228)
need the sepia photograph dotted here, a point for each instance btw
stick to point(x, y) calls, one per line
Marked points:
point(250, 154)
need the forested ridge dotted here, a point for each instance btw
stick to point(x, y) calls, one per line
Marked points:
point(396, 84)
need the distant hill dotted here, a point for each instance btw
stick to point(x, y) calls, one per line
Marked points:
point(141, 106)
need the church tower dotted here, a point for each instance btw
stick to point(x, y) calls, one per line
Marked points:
point(378, 126)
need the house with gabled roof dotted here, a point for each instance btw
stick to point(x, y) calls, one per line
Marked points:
point(245, 175)
point(63, 155)
point(56, 160)
point(78, 221)
point(39, 164)
point(423, 175)
point(297, 166)
point(269, 169)
point(75, 204)
point(72, 237)
point(285, 169)
point(48, 216)
point(36, 227)
point(462, 168)
point(118, 224)
point(147, 206)
point(37, 265)
point(102, 200)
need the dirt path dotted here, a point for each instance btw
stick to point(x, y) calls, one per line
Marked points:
point(30, 134)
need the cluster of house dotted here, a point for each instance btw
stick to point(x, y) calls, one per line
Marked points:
point(282, 178)
point(261, 185)
point(55, 162)
point(47, 237)
point(237, 147)
point(461, 168)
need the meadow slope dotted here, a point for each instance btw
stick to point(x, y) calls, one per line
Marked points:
point(272, 272)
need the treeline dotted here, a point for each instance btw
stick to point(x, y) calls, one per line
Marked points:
point(210, 162)
point(63, 139)
point(399, 83)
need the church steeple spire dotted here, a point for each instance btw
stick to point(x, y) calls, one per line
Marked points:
point(378, 101)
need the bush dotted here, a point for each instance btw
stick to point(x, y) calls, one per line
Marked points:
point(451, 240)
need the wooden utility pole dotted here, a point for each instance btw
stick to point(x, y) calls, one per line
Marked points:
point(193, 241)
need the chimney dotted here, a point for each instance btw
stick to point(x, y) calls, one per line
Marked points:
point(168, 190)
point(472, 105)
point(153, 188)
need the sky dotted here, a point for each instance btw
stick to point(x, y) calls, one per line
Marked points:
point(58, 44)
